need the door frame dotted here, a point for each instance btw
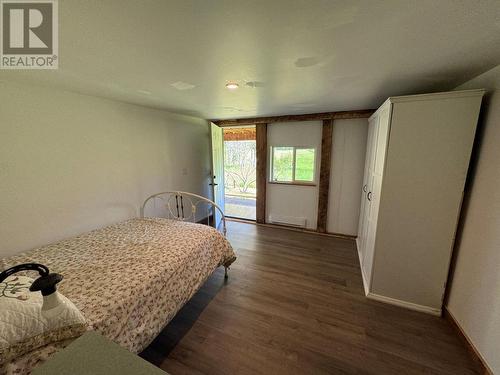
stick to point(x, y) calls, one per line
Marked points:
point(213, 182)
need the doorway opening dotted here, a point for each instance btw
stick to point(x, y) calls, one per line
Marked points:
point(240, 158)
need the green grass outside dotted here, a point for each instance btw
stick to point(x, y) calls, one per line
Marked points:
point(304, 164)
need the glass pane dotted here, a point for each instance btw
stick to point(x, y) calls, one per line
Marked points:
point(304, 164)
point(282, 164)
point(240, 174)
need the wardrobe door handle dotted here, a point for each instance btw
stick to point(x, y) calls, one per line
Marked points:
point(364, 188)
point(369, 196)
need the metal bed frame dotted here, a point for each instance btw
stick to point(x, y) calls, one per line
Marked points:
point(184, 206)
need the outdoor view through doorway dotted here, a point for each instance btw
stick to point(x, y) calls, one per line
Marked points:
point(240, 172)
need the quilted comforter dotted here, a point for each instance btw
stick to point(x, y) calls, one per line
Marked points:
point(128, 279)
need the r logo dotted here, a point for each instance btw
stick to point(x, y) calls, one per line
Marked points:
point(29, 34)
point(27, 28)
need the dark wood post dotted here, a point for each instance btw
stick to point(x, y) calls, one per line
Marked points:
point(324, 176)
point(261, 146)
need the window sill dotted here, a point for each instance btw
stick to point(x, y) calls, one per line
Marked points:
point(292, 183)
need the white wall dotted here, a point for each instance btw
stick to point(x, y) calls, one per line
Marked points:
point(70, 163)
point(293, 200)
point(346, 175)
point(474, 298)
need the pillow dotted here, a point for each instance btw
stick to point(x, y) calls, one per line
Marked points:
point(25, 327)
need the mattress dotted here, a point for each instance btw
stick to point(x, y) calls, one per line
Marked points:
point(128, 279)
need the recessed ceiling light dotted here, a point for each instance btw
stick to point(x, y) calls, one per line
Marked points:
point(232, 85)
point(254, 84)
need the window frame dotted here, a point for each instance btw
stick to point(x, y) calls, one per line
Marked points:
point(294, 160)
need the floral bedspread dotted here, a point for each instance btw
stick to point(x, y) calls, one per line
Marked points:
point(128, 279)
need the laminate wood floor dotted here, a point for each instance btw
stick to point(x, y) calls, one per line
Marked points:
point(294, 304)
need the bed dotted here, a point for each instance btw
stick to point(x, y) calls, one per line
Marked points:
point(130, 279)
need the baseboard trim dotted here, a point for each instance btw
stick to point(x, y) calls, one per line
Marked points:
point(447, 315)
point(363, 276)
point(293, 229)
point(240, 220)
point(365, 282)
point(405, 304)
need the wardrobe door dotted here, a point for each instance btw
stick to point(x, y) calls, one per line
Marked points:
point(382, 139)
point(362, 213)
point(375, 175)
point(371, 229)
point(367, 198)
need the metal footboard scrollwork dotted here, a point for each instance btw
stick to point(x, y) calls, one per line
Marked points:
point(183, 206)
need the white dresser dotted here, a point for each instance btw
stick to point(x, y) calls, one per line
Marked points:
point(417, 158)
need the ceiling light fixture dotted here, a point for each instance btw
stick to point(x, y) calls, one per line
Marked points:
point(232, 85)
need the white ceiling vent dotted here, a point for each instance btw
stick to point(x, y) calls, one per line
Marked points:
point(179, 85)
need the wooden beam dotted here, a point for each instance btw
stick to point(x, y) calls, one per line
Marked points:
point(324, 176)
point(261, 153)
point(290, 118)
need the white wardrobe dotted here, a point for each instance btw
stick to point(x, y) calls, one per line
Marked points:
point(417, 158)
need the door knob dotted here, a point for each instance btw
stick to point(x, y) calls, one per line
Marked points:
point(369, 196)
point(364, 188)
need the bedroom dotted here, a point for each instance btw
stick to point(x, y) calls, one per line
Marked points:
point(367, 262)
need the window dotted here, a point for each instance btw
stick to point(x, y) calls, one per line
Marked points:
point(293, 164)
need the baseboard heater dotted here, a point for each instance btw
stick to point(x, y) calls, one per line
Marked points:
point(299, 222)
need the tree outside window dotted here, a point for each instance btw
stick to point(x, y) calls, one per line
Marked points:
point(239, 166)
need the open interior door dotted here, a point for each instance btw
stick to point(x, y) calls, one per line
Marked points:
point(217, 140)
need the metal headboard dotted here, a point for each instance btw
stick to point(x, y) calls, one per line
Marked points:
point(184, 206)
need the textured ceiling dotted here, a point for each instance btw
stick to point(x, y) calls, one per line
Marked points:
point(288, 56)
